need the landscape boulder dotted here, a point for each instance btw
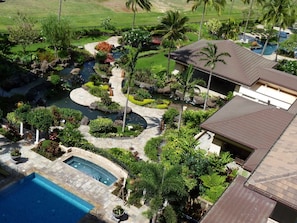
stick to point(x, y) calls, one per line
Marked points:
point(75, 71)
point(85, 121)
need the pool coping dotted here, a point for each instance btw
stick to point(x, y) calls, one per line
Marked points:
point(76, 182)
point(99, 160)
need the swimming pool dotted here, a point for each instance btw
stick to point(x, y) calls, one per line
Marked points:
point(270, 49)
point(91, 169)
point(35, 199)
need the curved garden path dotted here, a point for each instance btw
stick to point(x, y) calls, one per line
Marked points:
point(151, 115)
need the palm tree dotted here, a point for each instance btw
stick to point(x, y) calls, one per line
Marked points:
point(211, 56)
point(251, 3)
point(173, 28)
point(160, 186)
point(279, 13)
point(186, 85)
point(231, 8)
point(218, 5)
point(129, 63)
point(143, 4)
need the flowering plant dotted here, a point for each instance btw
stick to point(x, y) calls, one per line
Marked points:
point(103, 46)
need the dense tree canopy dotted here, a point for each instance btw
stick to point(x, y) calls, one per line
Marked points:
point(40, 118)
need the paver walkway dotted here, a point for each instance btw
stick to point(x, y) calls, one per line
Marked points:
point(152, 117)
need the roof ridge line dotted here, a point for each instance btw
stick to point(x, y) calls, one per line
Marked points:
point(276, 177)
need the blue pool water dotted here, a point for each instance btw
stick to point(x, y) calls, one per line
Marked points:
point(35, 199)
point(91, 169)
point(270, 49)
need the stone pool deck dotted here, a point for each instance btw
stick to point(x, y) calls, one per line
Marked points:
point(69, 178)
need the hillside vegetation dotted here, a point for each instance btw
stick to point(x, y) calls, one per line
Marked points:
point(90, 13)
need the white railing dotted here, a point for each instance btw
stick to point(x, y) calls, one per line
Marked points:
point(262, 98)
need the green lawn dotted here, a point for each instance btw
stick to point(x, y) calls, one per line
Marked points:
point(159, 59)
point(92, 12)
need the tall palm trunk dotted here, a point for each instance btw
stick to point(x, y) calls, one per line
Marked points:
point(265, 45)
point(134, 17)
point(248, 18)
point(126, 106)
point(168, 59)
point(277, 43)
point(181, 111)
point(201, 22)
point(60, 10)
point(231, 8)
point(207, 92)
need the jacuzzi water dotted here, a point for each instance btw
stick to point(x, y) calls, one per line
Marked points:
point(91, 169)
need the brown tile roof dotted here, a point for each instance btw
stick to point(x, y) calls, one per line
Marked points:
point(240, 204)
point(251, 124)
point(240, 68)
point(276, 176)
point(278, 77)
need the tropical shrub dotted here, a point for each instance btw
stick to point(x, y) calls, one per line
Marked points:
point(55, 79)
point(113, 107)
point(169, 116)
point(40, 118)
point(217, 163)
point(97, 91)
point(70, 136)
point(141, 103)
point(101, 56)
point(89, 84)
point(12, 118)
point(101, 125)
point(95, 79)
point(49, 149)
point(142, 94)
point(213, 25)
point(288, 66)
point(105, 99)
point(144, 75)
point(133, 164)
point(47, 55)
point(103, 67)
point(71, 116)
point(11, 133)
point(215, 185)
point(151, 148)
point(104, 47)
point(136, 37)
point(193, 118)
point(162, 106)
point(107, 25)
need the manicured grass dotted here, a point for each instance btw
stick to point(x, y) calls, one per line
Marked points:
point(92, 12)
point(159, 58)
